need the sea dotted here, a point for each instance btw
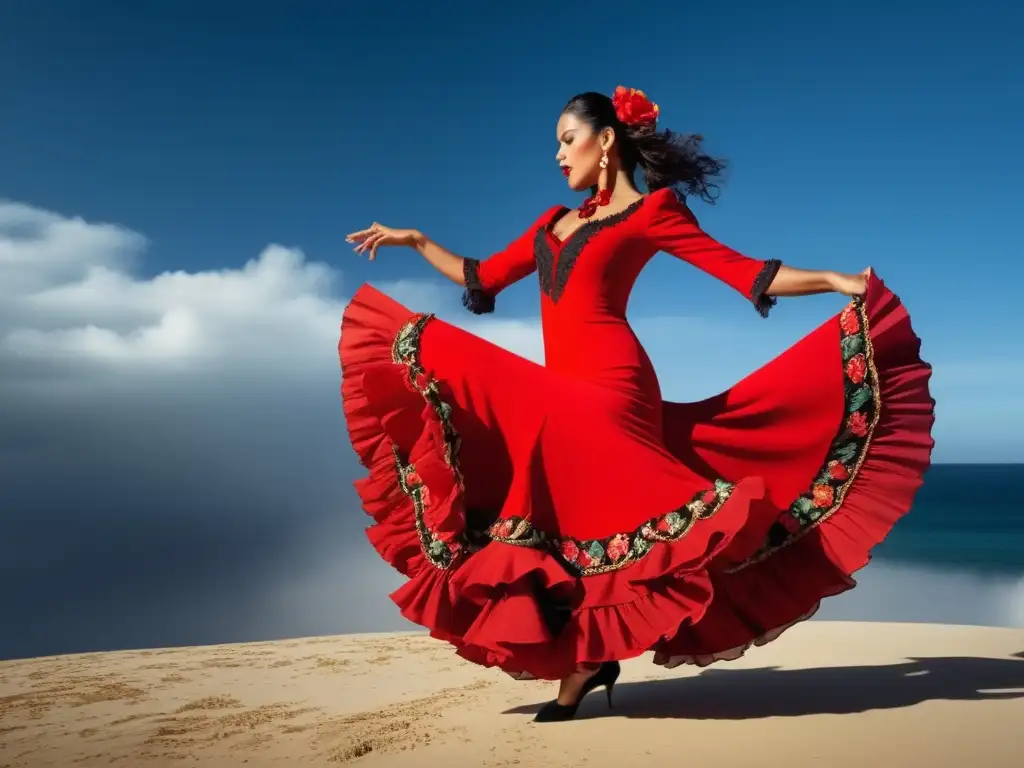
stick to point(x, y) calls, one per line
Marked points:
point(957, 557)
point(967, 516)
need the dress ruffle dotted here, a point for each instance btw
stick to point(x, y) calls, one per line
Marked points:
point(817, 547)
point(704, 582)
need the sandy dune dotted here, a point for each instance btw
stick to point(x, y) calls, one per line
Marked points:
point(829, 694)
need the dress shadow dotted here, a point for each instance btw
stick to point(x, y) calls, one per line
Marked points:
point(745, 694)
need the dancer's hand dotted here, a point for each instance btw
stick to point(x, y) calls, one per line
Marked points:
point(851, 285)
point(378, 235)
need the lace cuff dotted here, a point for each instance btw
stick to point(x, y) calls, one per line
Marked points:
point(474, 298)
point(762, 282)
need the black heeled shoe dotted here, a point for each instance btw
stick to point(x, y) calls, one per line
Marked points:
point(553, 712)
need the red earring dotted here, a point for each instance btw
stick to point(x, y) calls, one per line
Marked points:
point(603, 196)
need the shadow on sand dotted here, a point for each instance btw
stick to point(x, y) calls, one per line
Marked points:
point(743, 694)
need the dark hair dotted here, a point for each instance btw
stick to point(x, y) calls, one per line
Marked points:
point(665, 158)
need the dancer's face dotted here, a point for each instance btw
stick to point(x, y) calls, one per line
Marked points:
point(579, 151)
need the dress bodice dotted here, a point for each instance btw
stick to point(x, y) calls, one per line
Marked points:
point(586, 281)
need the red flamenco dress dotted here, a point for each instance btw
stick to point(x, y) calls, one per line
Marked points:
point(558, 514)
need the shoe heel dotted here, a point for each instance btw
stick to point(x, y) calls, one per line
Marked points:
point(608, 691)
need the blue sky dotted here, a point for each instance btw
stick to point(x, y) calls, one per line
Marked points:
point(176, 180)
point(881, 133)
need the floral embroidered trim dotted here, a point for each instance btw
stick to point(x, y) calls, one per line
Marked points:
point(594, 556)
point(475, 298)
point(439, 553)
point(517, 531)
point(762, 283)
point(405, 350)
point(849, 447)
point(553, 277)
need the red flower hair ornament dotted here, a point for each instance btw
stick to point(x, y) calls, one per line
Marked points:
point(632, 107)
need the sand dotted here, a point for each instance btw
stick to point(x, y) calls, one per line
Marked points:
point(827, 693)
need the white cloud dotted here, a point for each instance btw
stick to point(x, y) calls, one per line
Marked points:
point(75, 299)
point(39, 248)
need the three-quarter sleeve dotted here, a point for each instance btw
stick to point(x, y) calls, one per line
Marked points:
point(672, 228)
point(486, 278)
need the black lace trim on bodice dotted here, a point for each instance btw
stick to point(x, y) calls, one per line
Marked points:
point(762, 302)
point(475, 298)
point(545, 258)
point(553, 277)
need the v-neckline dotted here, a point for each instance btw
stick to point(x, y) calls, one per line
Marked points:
point(610, 220)
point(556, 258)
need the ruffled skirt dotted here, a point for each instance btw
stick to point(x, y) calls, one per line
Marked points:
point(537, 535)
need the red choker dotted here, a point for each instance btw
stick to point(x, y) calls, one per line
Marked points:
point(589, 206)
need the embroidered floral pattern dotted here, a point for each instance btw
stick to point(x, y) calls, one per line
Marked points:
point(848, 448)
point(592, 556)
point(439, 553)
point(554, 276)
point(475, 298)
point(406, 351)
point(517, 531)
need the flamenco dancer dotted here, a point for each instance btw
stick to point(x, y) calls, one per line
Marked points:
point(555, 519)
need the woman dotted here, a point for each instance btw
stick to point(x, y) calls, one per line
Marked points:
point(553, 520)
